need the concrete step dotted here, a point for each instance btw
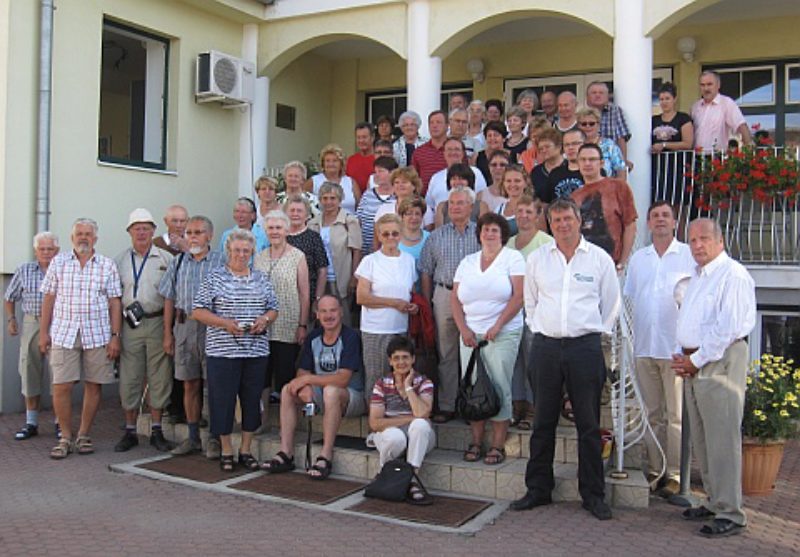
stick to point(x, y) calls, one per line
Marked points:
point(444, 469)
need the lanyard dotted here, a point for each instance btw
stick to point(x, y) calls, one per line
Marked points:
point(138, 274)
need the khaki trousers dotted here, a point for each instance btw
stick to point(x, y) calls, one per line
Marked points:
point(715, 405)
point(662, 391)
point(447, 342)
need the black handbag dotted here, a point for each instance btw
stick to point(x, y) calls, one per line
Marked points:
point(477, 397)
point(392, 482)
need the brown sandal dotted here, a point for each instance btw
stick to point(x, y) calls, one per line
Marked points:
point(496, 455)
point(473, 453)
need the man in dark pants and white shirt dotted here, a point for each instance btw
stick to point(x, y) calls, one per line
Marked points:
point(572, 297)
point(717, 313)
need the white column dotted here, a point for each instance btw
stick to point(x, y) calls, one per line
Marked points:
point(260, 110)
point(423, 72)
point(633, 77)
point(247, 124)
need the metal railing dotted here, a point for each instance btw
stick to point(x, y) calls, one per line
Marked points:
point(755, 231)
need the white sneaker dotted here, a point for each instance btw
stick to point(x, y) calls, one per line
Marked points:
point(213, 449)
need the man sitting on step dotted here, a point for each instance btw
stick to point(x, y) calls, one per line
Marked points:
point(330, 378)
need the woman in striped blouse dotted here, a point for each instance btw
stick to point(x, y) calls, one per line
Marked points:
point(237, 305)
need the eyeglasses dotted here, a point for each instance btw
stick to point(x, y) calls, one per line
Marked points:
point(390, 234)
point(587, 124)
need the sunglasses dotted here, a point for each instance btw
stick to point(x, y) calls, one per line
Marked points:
point(587, 124)
point(391, 234)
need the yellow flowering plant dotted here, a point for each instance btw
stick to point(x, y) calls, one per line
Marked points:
point(772, 399)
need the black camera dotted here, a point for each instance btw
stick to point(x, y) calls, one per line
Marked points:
point(134, 314)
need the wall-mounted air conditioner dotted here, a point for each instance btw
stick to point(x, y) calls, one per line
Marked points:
point(224, 78)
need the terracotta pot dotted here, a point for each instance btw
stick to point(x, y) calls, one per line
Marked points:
point(760, 465)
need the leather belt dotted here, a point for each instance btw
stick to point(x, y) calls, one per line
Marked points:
point(443, 285)
point(154, 314)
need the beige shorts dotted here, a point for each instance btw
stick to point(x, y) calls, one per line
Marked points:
point(32, 368)
point(190, 350)
point(356, 405)
point(69, 364)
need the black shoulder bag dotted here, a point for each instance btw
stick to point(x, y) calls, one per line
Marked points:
point(477, 397)
point(393, 481)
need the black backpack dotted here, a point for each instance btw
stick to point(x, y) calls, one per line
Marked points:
point(392, 482)
point(477, 397)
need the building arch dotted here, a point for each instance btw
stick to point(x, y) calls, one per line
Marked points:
point(661, 15)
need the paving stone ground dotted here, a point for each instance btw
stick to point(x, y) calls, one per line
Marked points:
point(79, 507)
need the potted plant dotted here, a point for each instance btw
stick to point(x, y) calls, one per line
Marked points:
point(771, 411)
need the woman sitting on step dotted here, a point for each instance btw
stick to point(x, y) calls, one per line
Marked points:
point(399, 409)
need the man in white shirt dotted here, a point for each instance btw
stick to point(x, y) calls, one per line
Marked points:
point(572, 297)
point(717, 314)
point(437, 188)
point(653, 273)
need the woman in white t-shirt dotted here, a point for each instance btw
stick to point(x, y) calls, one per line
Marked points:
point(487, 305)
point(385, 281)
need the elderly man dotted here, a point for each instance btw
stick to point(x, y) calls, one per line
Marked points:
point(329, 377)
point(571, 298)
point(443, 251)
point(173, 239)
point(457, 101)
point(26, 286)
point(653, 273)
point(184, 337)
point(549, 103)
point(80, 327)
point(607, 208)
point(404, 146)
point(359, 164)
point(567, 106)
point(143, 358)
point(717, 314)
point(428, 159)
point(612, 120)
point(716, 117)
point(437, 188)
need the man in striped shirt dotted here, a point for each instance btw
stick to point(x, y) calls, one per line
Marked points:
point(184, 337)
point(25, 286)
point(80, 327)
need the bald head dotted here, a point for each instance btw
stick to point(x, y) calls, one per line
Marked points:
point(567, 104)
point(176, 217)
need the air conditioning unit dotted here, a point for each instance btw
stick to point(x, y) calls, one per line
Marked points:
point(224, 78)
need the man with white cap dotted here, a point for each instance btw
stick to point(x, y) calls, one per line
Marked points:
point(140, 268)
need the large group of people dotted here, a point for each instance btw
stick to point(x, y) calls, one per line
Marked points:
point(513, 233)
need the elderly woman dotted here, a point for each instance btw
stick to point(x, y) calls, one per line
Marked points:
point(459, 175)
point(495, 133)
point(515, 182)
point(399, 408)
point(267, 193)
point(244, 215)
point(332, 159)
point(497, 167)
point(310, 243)
point(487, 305)
point(404, 146)
point(237, 305)
point(613, 161)
point(341, 236)
point(294, 176)
point(477, 119)
point(385, 280)
point(530, 236)
point(528, 101)
point(286, 269)
point(517, 142)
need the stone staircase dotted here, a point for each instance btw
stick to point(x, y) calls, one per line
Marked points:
point(444, 470)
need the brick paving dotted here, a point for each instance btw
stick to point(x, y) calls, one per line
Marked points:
point(79, 507)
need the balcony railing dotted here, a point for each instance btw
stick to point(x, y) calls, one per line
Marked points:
point(755, 232)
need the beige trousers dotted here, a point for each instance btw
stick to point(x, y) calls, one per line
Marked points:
point(662, 392)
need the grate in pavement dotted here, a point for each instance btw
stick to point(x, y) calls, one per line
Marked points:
point(194, 467)
point(299, 487)
point(445, 511)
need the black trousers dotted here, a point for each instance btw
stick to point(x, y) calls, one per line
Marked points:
point(229, 378)
point(578, 363)
point(282, 366)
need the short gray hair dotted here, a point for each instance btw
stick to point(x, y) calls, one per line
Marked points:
point(296, 164)
point(85, 221)
point(410, 114)
point(563, 204)
point(713, 74)
point(331, 187)
point(206, 222)
point(46, 235)
point(298, 199)
point(239, 234)
point(456, 111)
point(277, 214)
point(716, 227)
point(478, 103)
point(461, 189)
point(529, 94)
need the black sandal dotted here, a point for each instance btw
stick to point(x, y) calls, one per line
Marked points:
point(27, 432)
point(247, 460)
point(473, 453)
point(226, 463)
point(322, 472)
point(418, 495)
point(495, 456)
point(279, 464)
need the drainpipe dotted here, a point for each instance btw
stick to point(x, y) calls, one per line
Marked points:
point(43, 138)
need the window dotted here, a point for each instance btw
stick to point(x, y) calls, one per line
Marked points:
point(133, 97)
point(576, 83)
point(768, 92)
point(777, 332)
point(393, 103)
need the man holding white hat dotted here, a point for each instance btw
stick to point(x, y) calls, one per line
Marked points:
point(140, 268)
